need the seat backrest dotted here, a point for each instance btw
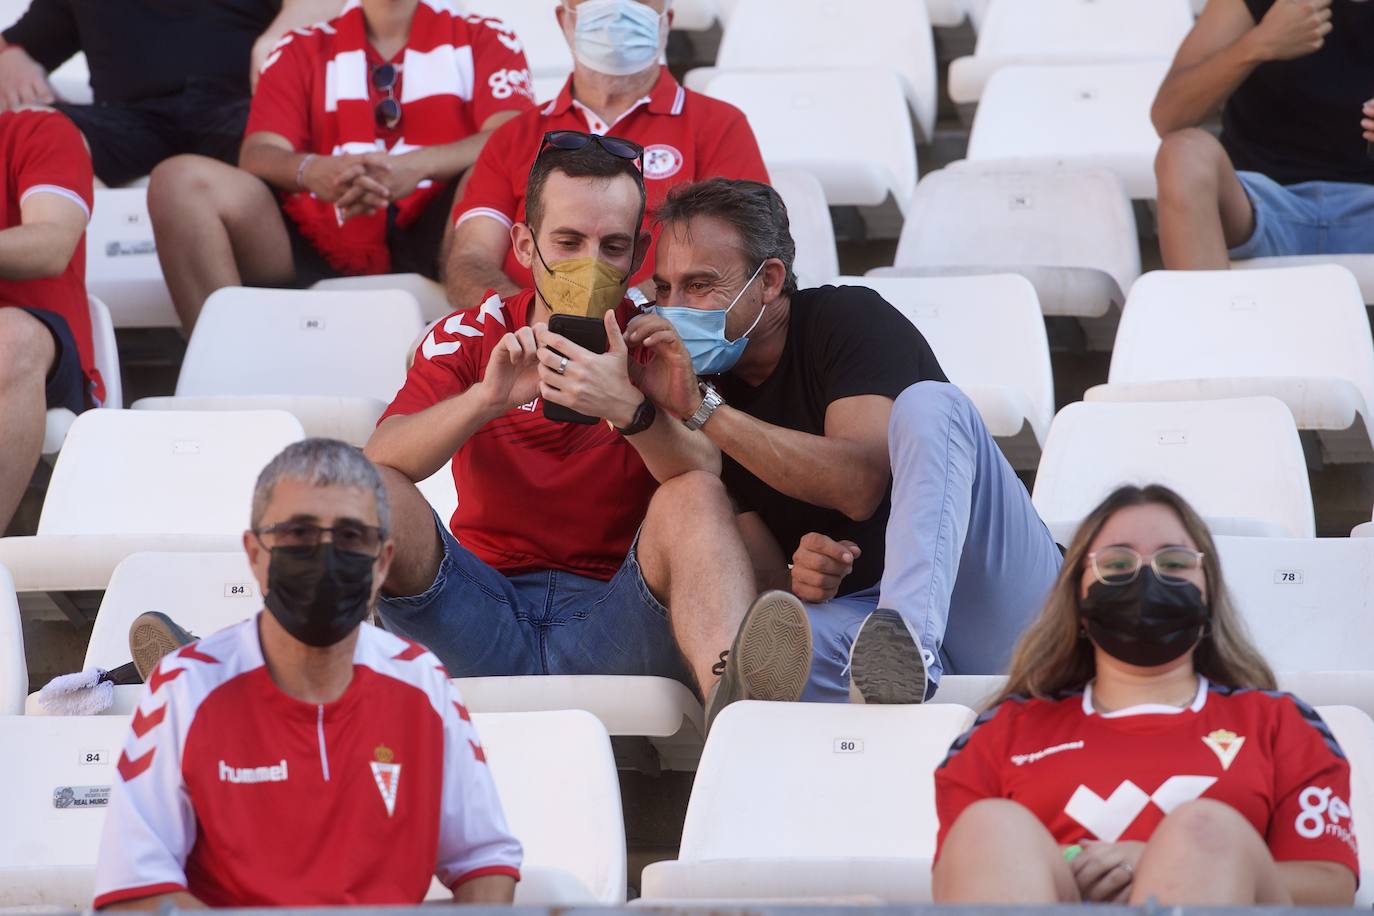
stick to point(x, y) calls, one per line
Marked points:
point(533, 23)
point(808, 780)
point(818, 260)
point(1232, 459)
point(57, 781)
point(162, 472)
point(986, 331)
point(14, 669)
point(838, 34)
point(202, 592)
point(1354, 732)
point(1100, 30)
point(1308, 603)
point(106, 353)
point(303, 342)
point(1289, 322)
point(782, 106)
point(997, 214)
point(556, 775)
point(121, 260)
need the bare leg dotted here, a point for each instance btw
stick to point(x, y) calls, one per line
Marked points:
point(694, 561)
point(418, 549)
point(215, 226)
point(1204, 853)
point(1203, 208)
point(27, 351)
point(998, 852)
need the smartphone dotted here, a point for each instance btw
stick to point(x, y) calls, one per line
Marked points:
point(587, 333)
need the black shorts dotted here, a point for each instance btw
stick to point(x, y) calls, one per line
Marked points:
point(128, 139)
point(414, 249)
point(66, 381)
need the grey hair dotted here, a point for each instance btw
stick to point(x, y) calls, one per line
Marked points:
point(754, 209)
point(320, 463)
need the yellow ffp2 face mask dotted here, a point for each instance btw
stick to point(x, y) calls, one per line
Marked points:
point(583, 287)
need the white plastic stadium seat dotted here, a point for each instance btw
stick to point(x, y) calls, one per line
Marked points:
point(1299, 334)
point(838, 38)
point(990, 339)
point(106, 354)
point(1354, 732)
point(695, 15)
point(533, 25)
point(658, 708)
point(784, 106)
point(132, 480)
point(57, 777)
point(801, 801)
point(14, 670)
point(1239, 462)
point(121, 261)
point(202, 592)
point(1071, 232)
point(333, 359)
point(1361, 265)
point(1095, 116)
point(818, 261)
point(946, 14)
point(1068, 32)
point(433, 301)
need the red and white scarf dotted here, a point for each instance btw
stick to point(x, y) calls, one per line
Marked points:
point(436, 84)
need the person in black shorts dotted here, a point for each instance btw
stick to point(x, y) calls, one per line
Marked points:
point(168, 78)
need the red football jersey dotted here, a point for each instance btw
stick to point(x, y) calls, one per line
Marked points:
point(41, 152)
point(243, 796)
point(533, 494)
point(686, 137)
point(1113, 777)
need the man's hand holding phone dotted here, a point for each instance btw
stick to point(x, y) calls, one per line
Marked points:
point(669, 379)
point(512, 376)
point(597, 385)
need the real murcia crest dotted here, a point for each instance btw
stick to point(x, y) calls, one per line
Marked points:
point(387, 773)
point(1225, 744)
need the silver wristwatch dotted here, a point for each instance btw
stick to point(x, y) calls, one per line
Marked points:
point(710, 401)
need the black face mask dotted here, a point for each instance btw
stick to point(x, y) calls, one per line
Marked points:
point(319, 594)
point(1146, 622)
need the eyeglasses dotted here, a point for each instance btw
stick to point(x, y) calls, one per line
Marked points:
point(388, 111)
point(1121, 565)
point(348, 537)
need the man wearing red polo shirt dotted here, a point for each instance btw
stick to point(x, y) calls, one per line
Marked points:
point(617, 87)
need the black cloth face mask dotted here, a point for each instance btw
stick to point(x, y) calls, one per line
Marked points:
point(319, 594)
point(1145, 622)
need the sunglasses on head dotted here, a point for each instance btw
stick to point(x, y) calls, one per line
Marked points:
point(388, 110)
point(568, 141)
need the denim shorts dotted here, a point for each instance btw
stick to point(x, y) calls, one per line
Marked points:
point(481, 623)
point(1314, 217)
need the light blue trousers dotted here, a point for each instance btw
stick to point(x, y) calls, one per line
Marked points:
point(969, 562)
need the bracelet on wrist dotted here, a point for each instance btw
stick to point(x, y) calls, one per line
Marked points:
point(300, 170)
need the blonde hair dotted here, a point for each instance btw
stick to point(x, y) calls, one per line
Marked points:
point(1053, 656)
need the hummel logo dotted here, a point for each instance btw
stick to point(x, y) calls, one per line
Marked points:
point(252, 774)
point(531, 407)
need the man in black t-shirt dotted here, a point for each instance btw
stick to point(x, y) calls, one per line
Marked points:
point(1291, 173)
point(848, 454)
point(168, 76)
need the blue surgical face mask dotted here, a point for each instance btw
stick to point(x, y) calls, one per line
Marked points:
point(703, 333)
point(617, 37)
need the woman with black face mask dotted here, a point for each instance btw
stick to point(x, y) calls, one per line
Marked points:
point(1140, 748)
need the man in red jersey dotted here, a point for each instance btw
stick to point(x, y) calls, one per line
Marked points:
point(304, 758)
point(617, 87)
point(46, 358)
point(576, 549)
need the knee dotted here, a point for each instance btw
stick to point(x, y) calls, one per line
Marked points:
point(27, 349)
point(1205, 828)
point(691, 496)
point(992, 817)
point(1186, 163)
point(187, 183)
point(926, 405)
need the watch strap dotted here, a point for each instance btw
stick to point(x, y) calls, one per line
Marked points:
point(710, 402)
point(644, 418)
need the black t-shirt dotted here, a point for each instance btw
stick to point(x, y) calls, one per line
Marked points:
point(841, 342)
point(1299, 120)
point(146, 49)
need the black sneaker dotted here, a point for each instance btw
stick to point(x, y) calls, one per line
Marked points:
point(153, 636)
point(770, 658)
point(886, 665)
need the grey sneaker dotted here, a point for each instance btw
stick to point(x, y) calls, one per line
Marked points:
point(886, 664)
point(770, 658)
point(152, 636)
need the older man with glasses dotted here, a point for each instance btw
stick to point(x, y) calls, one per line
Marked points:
point(302, 757)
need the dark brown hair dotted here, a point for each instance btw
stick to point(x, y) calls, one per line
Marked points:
point(754, 209)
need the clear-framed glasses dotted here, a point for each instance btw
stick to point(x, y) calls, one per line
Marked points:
point(1121, 565)
point(348, 537)
point(388, 111)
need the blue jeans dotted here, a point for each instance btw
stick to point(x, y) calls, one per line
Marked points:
point(969, 562)
point(1314, 217)
point(481, 623)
